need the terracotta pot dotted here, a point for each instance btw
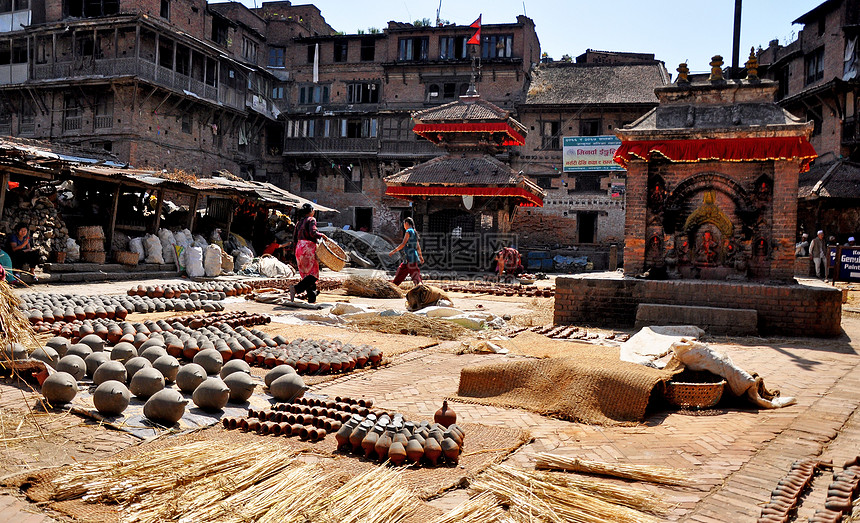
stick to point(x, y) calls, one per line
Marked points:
point(451, 450)
point(445, 416)
point(342, 436)
point(414, 450)
point(284, 428)
point(432, 450)
point(358, 434)
point(397, 453)
point(383, 444)
point(368, 444)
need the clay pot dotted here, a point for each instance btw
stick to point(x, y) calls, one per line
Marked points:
point(73, 365)
point(414, 450)
point(47, 355)
point(342, 435)
point(94, 342)
point(123, 351)
point(210, 360)
point(211, 395)
point(94, 361)
point(166, 405)
point(110, 371)
point(241, 386)
point(79, 349)
point(146, 382)
point(111, 397)
point(153, 352)
point(168, 366)
point(190, 349)
point(189, 377)
point(454, 435)
point(135, 364)
point(451, 450)
point(235, 366)
point(358, 434)
point(287, 387)
point(60, 387)
point(432, 450)
point(59, 344)
point(368, 444)
point(277, 372)
point(397, 453)
point(445, 416)
point(383, 444)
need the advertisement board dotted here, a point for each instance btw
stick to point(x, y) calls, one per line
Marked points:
point(590, 153)
point(847, 264)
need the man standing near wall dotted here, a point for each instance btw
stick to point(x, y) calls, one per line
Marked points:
point(818, 252)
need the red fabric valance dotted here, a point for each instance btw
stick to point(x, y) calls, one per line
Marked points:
point(427, 130)
point(530, 199)
point(724, 149)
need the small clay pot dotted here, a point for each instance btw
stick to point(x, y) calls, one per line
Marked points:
point(73, 365)
point(146, 382)
point(110, 370)
point(123, 351)
point(414, 450)
point(383, 444)
point(189, 377)
point(432, 450)
point(211, 395)
point(47, 355)
point(111, 398)
point(59, 344)
point(342, 436)
point(79, 349)
point(153, 352)
point(397, 453)
point(135, 364)
point(166, 405)
point(168, 366)
point(60, 387)
point(235, 366)
point(94, 342)
point(94, 361)
point(451, 450)
point(277, 372)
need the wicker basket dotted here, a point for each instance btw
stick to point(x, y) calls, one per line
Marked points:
point(126, 257)
point(331, 255)
point(93, 256)
point(694, 395)
point(92, 244)
point(93, 232)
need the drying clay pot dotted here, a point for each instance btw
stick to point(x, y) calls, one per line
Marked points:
point(153, 352)
point(235, 366)
point(414, 450)
point(94, 361)
point(277, 372)
point(287, 387)
point(210, 360)
point(111, 370)
point(189, 377)
point(166, 406)
point(111, 397)
point(59, 344)
point(60, 387)
point(74, 365)
point(241, 386)
point(47, 355)
point(135, 364)
point(94, 342)
point(146, 382)
point(123, 351)
point(80, 349)
point(445, 416)
point(168, 366)
point(155, 341)
point(212, 394)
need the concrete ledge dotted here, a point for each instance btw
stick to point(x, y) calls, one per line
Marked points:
point(714, 320)
point(107, 267)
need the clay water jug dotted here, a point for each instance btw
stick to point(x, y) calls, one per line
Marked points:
point(369, 443)
point(414, 450)
point(445, 416)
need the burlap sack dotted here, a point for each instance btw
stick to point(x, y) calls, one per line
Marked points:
point(423, 295)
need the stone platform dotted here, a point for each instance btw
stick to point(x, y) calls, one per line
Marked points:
point(714, 320)
point(804, 308)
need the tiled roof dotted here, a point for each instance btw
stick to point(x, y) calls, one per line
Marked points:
point(462, 111)
point(482, 170)
point(566, 83)
point(837, 179)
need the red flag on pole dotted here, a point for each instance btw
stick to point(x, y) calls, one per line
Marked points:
point(476, 38)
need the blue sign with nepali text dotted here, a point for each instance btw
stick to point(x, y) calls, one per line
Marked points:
point(590, 153)
point(848, 264)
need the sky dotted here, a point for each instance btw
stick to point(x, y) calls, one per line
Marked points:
point(675, 31)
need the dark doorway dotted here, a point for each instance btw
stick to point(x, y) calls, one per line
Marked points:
point(587, 223)
point(364, 219)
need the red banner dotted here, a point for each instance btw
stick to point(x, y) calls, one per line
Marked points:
point(531, 200)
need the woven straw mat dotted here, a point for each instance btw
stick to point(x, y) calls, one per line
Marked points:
point(588, 385)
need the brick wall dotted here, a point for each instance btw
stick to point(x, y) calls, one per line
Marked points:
point(796, 310)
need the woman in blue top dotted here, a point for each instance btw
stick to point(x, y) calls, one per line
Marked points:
point(412, 249)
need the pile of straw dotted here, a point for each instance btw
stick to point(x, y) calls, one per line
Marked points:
point(536, 496)
point(482, 508)
point(661, 475)
point(371, 287)
point(14, 326)
point(412, 324)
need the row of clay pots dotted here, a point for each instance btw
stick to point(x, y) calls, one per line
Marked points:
point(324, 284)
point(190, 289)
point(500, 290)
point(233, 319)
point(306, 356)
point(841, 494)
point(321, 420)
point(785, 497)
point(386, 440)
point(273, 428)
point(298, 410)
point(329, 404)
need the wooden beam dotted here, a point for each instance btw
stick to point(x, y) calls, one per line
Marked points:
point(115, 206)
point(157, 107)
point(192, 216)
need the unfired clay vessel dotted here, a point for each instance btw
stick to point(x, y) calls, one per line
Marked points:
point(60, 387)
point(111, 370)
point(165, 406)
point(211, 395)
point(111, 397)
point(189, 377)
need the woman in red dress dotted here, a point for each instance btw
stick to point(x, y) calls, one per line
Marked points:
point(305, 239)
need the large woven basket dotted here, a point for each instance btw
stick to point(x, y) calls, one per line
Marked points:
point(126, 257)
point(694, 395)
point(92, 244)
point(93, 256)
point(92, 232)
point(331, 255)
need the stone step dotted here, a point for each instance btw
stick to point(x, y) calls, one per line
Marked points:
point(714, 320)
point(107, 267)
point(93, 276)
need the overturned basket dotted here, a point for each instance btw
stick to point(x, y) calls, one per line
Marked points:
point(331, 255)
point(694, 395)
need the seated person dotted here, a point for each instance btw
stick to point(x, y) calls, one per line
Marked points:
point(801, 249)
point(21, 250)
point(508, 261)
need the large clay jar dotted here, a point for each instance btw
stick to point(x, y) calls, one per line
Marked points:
point(153, 352)
point(451, 450)
point(414, 450)
point(165, 406)
point(210, 360)
point(445, 416)
point(235, 366)
point(189, 377)
point(79, 349)
point(135, 364)
point(432, 450)
point(73, 365)
point(94, 361)
point(397, 453)
point(146, 382)
point(287, 387)
point(110, 370)
point(241, 385)
point(277, 372)
point(342, 435)
point(111, 398)
point(383, 444)
point(123, 351)
point(59, 344)
point(60, 387)
point(369, 443)
point(95, 343)
point(211, 395)
point(168, 366)
point(46, 354)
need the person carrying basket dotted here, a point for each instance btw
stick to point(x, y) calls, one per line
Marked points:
point(305, 238)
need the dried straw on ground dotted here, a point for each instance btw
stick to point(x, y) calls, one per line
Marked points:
point(14, 326)
point(662, 475)
point(413, 324)
point(378, 495)
point(371, 287)
point(482, 508)
point(533, 496)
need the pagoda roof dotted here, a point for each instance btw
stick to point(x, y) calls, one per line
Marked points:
point(469, 109)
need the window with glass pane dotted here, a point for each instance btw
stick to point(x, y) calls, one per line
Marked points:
point(497, 46)
point(452, 47)
point(341, 49)
point(815, 65)
point(413, 49)
point(276, 57)
point(362, 93)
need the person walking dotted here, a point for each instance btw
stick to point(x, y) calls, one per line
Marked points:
point(818, 252)
point(412, 248)
point(305, 238)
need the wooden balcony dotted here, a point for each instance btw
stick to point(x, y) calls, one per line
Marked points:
point(365, 147)
point(409, 149)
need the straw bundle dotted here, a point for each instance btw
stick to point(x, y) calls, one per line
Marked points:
point(376, 495)
point(371, 287)
point(531, 497)
point(412, 324)
point(483, 508)
point(14, 326)
point(662, 475)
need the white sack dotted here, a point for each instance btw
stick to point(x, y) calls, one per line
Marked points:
point(241, 259)
point(212, 261)
point(153, 249)
point(73, 250)
point(194, 262)
point(652, 346)
point(136, 245)
point(168, 240)
point(272, 268)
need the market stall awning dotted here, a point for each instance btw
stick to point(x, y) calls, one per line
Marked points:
point(431, 131)
point(723, 149)
point(528, 199)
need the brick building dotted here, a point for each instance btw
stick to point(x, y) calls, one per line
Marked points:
point(589, 98)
